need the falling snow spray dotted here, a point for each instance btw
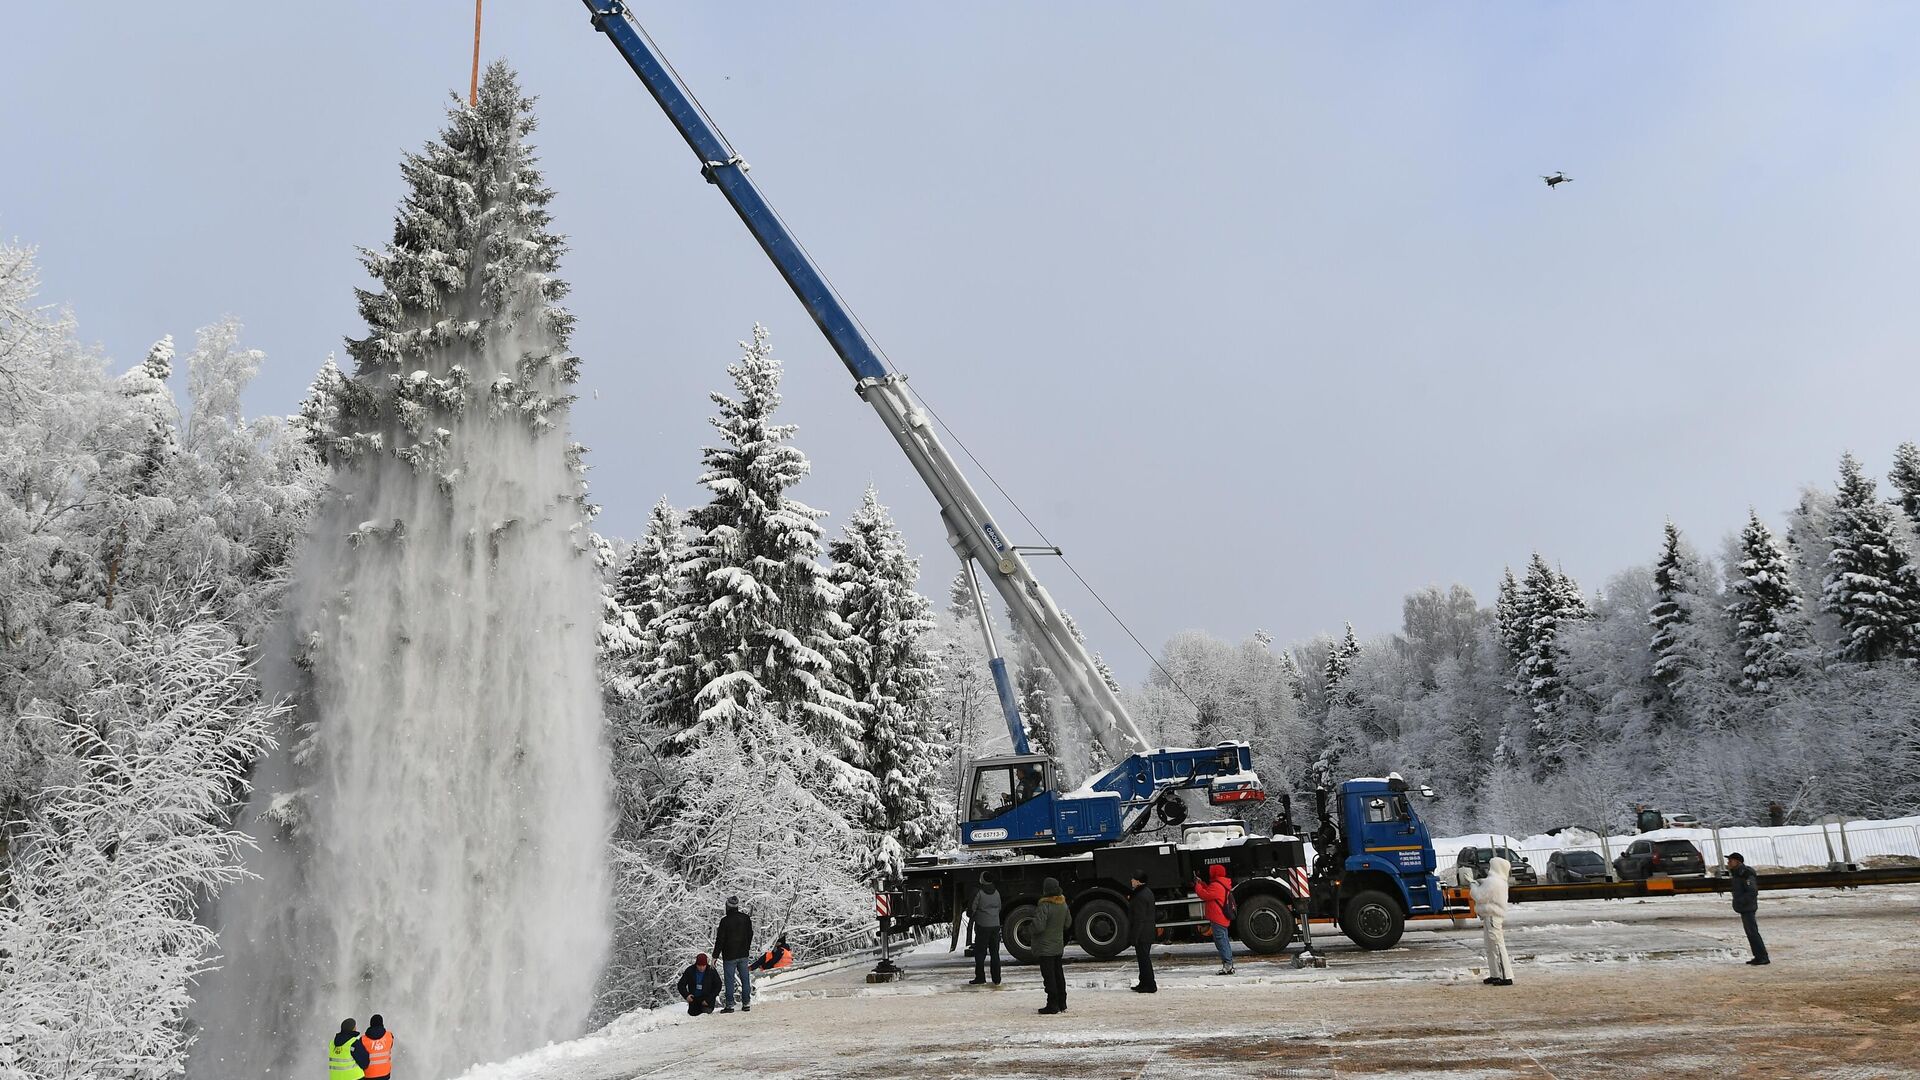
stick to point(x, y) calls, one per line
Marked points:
point(433, 837)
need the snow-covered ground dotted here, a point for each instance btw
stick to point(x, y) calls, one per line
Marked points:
point(1605, 988)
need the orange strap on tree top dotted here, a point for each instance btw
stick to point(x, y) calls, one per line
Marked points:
point(473, 88)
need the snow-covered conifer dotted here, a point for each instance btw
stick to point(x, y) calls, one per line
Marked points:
point(756, 630)
point(1340, 658)
point(891, 676)
point(1764, 608)
point(1905, 478)
point(1871, 584)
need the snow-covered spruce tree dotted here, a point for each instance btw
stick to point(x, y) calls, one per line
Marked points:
point(647, 588)
point(756, 634)
point(1764, 607)
point(1871, 583)
point(1905, 478)
point(99, 946)
point(1688, 643)
point(1673, 607)
point(891, 676)
point(1340, 658)
point(1510, 627)
point(1548, 600)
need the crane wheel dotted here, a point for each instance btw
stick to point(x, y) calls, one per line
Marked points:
point(1100, 927)
point(1017, 933)
point(1373, 920)
point(1264, 924)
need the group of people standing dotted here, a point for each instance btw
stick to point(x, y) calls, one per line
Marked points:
point(1490, 897)
point(353, 1054)
point(701, 986)
point(1052, 917)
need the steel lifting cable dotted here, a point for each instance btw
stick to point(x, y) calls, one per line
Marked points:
point(887, 360)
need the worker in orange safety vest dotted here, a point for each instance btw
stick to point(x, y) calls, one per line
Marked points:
point(378, 1042)
point(778, 958)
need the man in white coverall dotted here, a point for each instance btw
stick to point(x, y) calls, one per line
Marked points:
point(1490, 902)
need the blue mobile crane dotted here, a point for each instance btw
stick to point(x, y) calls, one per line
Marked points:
point(1014, 817)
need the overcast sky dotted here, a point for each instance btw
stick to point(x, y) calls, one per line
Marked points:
point(1260, 310)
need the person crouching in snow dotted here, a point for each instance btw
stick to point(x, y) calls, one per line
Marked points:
point(1490, 902)
point(699, 986)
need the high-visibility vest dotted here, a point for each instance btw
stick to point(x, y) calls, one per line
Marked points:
point(340, 1063)
point(768, 963)
point(379, 1055)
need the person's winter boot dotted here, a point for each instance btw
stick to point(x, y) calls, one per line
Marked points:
point(1504, 982)
point(1048, 1011)
point(746, 1008)
point(975, 982)
point(728, 1009)
point(1757, 962)
point(1491, 980)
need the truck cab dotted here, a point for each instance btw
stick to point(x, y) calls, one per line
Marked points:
point(1380, 862)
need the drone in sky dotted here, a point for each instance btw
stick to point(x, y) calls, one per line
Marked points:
point(1557, 179)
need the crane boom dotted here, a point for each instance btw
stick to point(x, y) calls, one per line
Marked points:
point(971, 530)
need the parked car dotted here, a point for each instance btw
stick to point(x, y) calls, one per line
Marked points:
point(1472, 862)
point(1645, 858)
point(1575, 867)
point(1682, 821)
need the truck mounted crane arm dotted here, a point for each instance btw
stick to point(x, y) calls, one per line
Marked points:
point(971, 530)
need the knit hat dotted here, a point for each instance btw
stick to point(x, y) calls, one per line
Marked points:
point(346, 1026)
point(698, 961)
point(987, 878)
point(733, 902)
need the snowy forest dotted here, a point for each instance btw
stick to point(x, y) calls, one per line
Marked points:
point(782, 697)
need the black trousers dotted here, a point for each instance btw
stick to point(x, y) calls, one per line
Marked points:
point(1752, 927)
point(1053, 972)
point(986, 942)
point(700, 1005)
point(1144, 953)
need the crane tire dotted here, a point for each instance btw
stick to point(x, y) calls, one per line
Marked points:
point(1101, 928)
point(1017, 933)
point(1373, 920)
point(1264, 924)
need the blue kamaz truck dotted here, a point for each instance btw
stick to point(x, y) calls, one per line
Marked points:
point(1368, 866)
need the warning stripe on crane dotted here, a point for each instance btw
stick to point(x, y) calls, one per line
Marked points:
point(882, 906)
point(1297, 880)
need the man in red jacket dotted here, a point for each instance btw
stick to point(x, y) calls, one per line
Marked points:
point(1216, 890)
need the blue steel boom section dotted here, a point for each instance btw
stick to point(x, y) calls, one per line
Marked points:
point(971, 530)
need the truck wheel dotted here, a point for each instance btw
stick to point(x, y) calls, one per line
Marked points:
point(1100, 926)
point(1017, 933)
point(1264, 924)
point(1373, 920)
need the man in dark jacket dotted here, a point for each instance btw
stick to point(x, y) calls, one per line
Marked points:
point(1746, 901)
point(1142, 916)
point(984, 911)
point(699, 986)
point(733, 946)
point(1050, 921)
point(346, 1058)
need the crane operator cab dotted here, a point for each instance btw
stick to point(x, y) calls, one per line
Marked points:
point(1009, 801)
